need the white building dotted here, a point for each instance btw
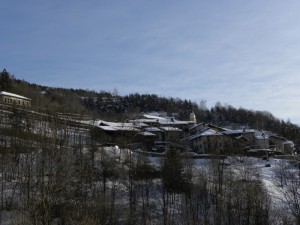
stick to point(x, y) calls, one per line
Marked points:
point(14, 99)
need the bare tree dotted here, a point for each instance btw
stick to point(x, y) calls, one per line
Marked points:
point(288, 182)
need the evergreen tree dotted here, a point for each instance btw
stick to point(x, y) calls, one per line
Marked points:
point(173, 175)
point(6, 81)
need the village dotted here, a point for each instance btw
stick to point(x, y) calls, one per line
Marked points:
point(157, 131)
point(146, 169)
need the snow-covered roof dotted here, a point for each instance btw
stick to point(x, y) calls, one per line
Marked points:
point(238, 131)
point(146, 133)
point(205, 132)
point(260, 149)
point(148, 118)
point(210, 132)
point(153, 129)
point(260, 136)
point(289, 143)
point(277, 137)
point(144, 121)
point(114, 126)
point(172, 122)
point(111, 128)
point(13, 95)
point(139, 124)
point(170, 129)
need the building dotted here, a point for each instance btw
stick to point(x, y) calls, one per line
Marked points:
point(207, 141)
point(193, 117)
point(281, 144)
point(156, 120)
point(14, 99)
point(208, 138)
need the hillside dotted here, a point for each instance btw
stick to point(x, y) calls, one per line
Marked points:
point(58, 166)
point(113, 107)
point(54, 171)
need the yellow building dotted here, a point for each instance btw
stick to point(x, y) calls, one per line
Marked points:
point(10, 98)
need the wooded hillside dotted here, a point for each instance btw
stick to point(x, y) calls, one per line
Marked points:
point(114, 107)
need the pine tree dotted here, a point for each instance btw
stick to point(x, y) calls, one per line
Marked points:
point(6, 82)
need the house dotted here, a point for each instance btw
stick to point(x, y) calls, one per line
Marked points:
point(213, 141)
point(156, 120)
point(208, 138)
point(123, 134)
point(234, 144)
point(281, 144)
point(261, 140)
point(250, 138)
point(171, 134)
point(165, 128)
point(207, 141)
point(14, 99)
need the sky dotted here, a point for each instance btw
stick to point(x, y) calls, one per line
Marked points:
point(240, 53)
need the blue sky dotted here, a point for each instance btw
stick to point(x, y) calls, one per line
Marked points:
point(242, 53)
